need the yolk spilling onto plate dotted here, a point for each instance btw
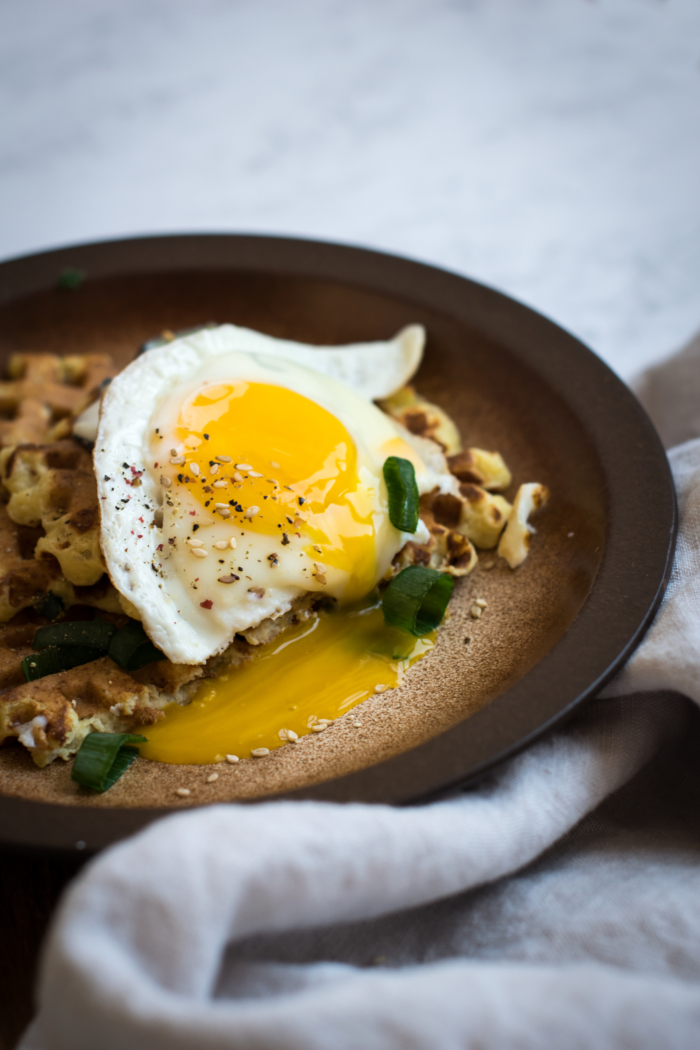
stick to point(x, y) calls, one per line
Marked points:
point(294, 462)
point(319, 669)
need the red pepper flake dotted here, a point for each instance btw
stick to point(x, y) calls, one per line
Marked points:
point(155, 464)
point(192, 513)
point(141, 520)
point(159, 547)
point(140, 536)
point(207, 604)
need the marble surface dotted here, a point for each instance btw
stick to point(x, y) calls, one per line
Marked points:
point(550, 148)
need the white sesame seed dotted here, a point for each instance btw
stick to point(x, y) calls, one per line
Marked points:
point(236, 476)
point(183, 792)
point(251, 512)
point(221, 545)
point(380, 688)
point(320, 568)
point(232, 543)
point(321, 578)
point(214, 468)
point(357, 725)
point(212, 777)
point(195, 469)
point(256, 592)
point(220, 505)
point(291, 735)
point(283, 734)
point(173, 452)
point(254, 474)
point(194, 542)
point(232, 759)
point(224, 512)
point(475, 612)
point(228, 579)
point(165, 482)
point(245, 466)
point(177, 461)
point(198, 552)
point(324, 721)
point(275, 465)
point(481, 603)
point(224, 459)
point(220, 484)
point(318, 728)
point(260, 752)
point(317, 548)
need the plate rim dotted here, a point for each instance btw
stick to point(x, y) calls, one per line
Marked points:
point(507, 724)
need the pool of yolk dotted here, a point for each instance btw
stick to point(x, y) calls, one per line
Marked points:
point(319, 669)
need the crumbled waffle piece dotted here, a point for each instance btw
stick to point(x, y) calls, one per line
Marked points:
point(53, 715)
point(423, 418)
point(54, 485)
point(43, 389)
point(478, 467)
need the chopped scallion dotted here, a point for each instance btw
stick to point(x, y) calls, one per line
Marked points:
point(416, 599)
point(132, 649)
point(97, 634)
point(57, 658)
point(400, 478)
point(103, 757)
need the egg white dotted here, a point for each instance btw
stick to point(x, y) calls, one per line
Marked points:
point(165, 583)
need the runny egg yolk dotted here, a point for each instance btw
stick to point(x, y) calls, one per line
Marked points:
point(318, 670)
point(264, 448)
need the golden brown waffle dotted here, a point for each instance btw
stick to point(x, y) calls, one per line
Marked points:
point(43, 389)
point(53, 486)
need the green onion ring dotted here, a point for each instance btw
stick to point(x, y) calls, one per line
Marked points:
point(416, 599)
point(400, 478)
point(132, 649)
point(57, 658)
point(97, 634)
point(102, 759)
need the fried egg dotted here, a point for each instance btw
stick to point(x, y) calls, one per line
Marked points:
point(237, 473)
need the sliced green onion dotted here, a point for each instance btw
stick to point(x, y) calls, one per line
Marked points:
point(103, 757)
point(57, 658)
point(400, 478)
point(132, 649)
point(94, 633)
point(70, 278)
point(50, 606)
point(416, 599)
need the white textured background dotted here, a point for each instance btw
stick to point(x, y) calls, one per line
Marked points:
point(548, 147)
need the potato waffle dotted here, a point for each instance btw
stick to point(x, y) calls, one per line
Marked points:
point(53, 486)
point(44, 390)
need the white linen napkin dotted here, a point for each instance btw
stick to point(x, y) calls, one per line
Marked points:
point(555, 905)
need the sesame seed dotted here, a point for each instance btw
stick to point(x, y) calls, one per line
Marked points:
point(212, 777)
point(275, 465)
point(282, 734)
point(232, 759)
point(177, 461)
point(173, 452)
point(245, 466)
point(224, 459)
point(195, 469)
point(251, 512)
point(165, 482)
point(260, 752)
point(198, 552)
point(220, 484)
point(481, 603)
point(475, 612)
point(321, 578)
point(317, 548)
point(221, 545)
point(228, 579)
point(193, 542)
point(214, 468)
point(224, 511)
point(254, 474)
point(220, 505)
point(381, 688)
point(232, 543)
point(324, 721)
point(183, 792)
point(291, 735)
point(256, 592)
point(318, 728)
point(357, 725)
point(320, 568)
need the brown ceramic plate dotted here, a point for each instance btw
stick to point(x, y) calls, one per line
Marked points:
point(554, 631)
